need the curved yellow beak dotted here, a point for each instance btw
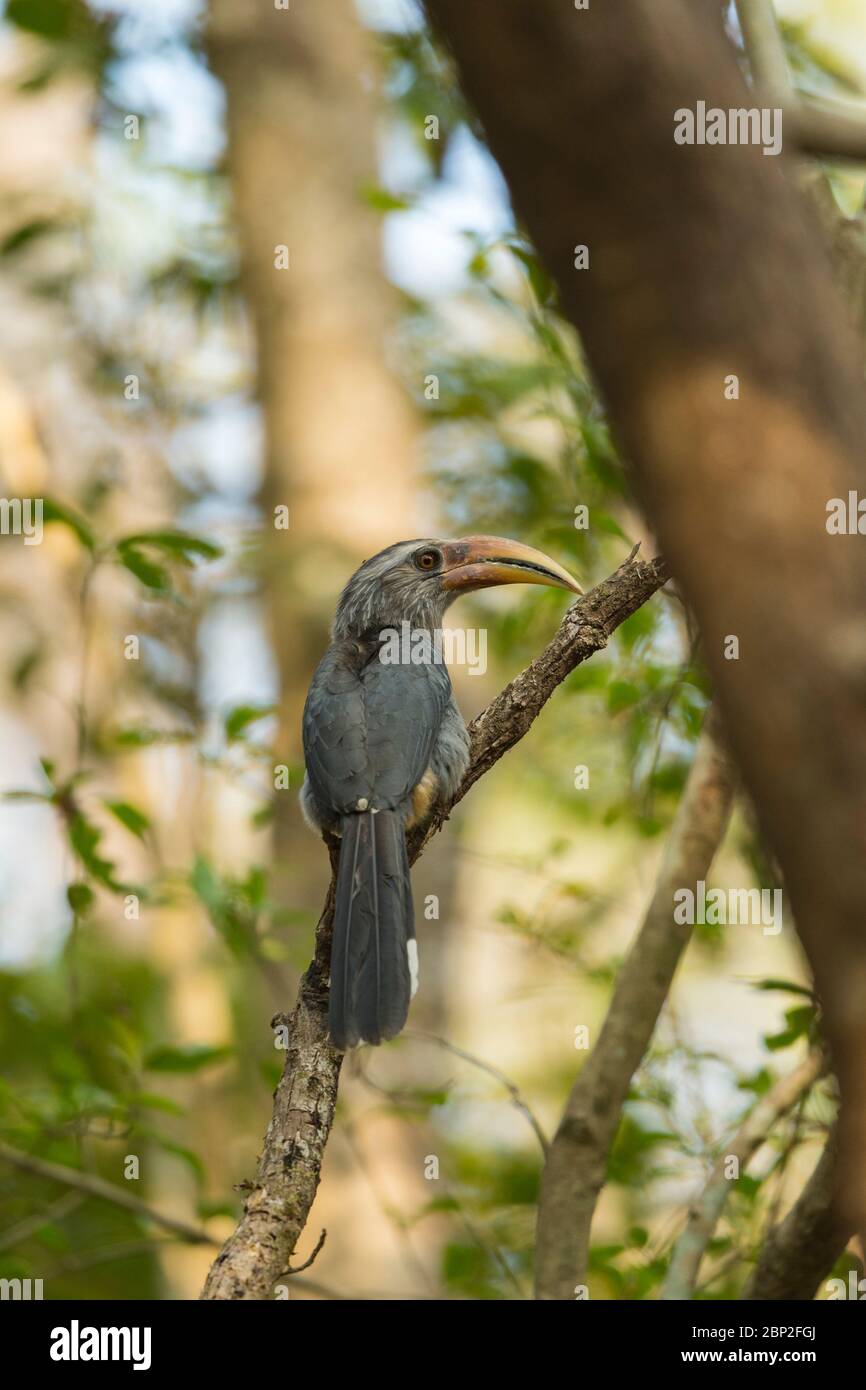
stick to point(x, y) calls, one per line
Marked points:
point(479, 562)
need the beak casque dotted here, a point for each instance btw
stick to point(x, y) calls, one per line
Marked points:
point(479, 562)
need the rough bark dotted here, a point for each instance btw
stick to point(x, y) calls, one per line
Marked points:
point(576, 1165)
point(803, 1248)
point(277, 1207)
point(707, 262)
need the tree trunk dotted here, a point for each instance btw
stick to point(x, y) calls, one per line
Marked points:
point(706, 263)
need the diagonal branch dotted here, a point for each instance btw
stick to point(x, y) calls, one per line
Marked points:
point(768, 64)
point(830, 131)
point(514, 1091)
point(93, 1186)
point(276, 1209)
point(803, 1248)
point(739, 494)
point(577, 1162)
point(705, 1211)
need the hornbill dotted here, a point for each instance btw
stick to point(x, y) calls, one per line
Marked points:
point(383, 741)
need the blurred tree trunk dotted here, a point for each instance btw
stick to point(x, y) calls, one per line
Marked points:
point(705, 265)
point(59, 433)
point(340, 430)
point(340, 437)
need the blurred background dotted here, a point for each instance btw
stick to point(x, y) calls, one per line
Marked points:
point(263, 310)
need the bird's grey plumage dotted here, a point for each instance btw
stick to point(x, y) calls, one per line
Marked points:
point(371, 732)
point(382, 742)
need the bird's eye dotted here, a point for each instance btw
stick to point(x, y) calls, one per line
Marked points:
point(428, 560)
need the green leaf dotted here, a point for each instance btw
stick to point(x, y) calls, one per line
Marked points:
point(150, 1100)
point(621, 694)
point(145, 738)
point(181, 544)
point(50, 18)
point(26, 666)
point(801, 1018)
point(759, 1082)
point(542, 285)
point(785, 986)
point(189, 1157)
point(603, 521)
point(58, 513)
point(240, 718)
point(206, 885)
point(381, 200)
point(191, 1057)
point(479, 265)
point(177, 545)
point(80, 898)
point(130, 816)
point(85, 840)
point(799, 1021)
point(25, 234)
point(151, 575)
point(747, 1185)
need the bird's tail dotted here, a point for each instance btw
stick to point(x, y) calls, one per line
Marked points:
point(374, 953)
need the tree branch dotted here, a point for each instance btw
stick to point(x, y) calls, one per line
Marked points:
point(803, 1248)
point(828, 133)
point(311, 1259)
point(95, 1186)
point(734, 387)
point(768, 64)
point(814, 127)
point(577, 1162)
point(513, 1090)
point(276, 1209)
point(765, 50)
point(704, 1213)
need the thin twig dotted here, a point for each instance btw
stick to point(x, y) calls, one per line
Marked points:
point(94, 1186)
point(50, 1214)
point(516, 1097)
point(705, 1211)
point(312, 1258)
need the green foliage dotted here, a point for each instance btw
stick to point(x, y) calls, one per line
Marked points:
point(239, 719)
point(177, 546)
point(58, 512)
point(103, 1055)
point(185, 1059)
point(73, 34)
point(135, 820)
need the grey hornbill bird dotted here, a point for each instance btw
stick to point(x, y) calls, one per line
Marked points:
point(383, 741)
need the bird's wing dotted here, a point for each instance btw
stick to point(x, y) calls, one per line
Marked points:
point(370, 728)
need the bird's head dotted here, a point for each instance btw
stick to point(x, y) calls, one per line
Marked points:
point(415, 581)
